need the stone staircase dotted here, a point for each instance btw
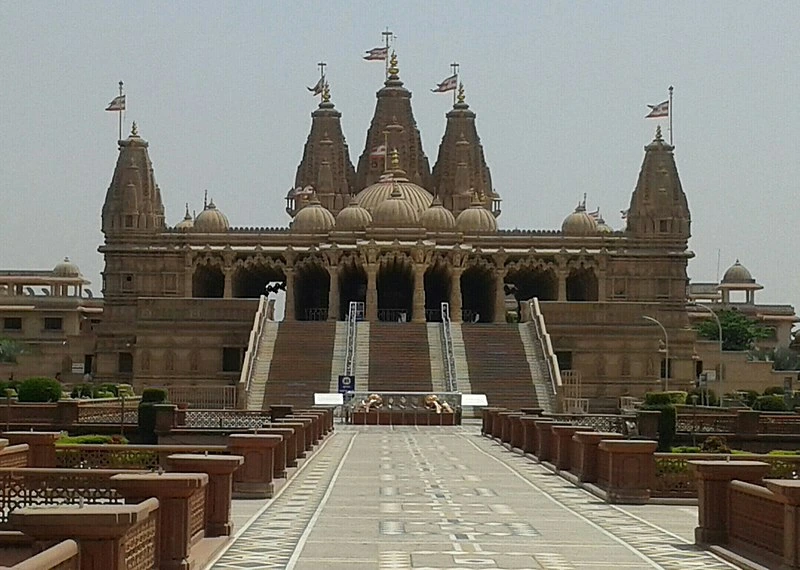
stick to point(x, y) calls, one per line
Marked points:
point(498, 366)
point(261, 366)
point(362, 356)
point(538, 367)
point(460, 354)
point(399, 358)
point(339, 352)
point(436, 355)
point(301, 363)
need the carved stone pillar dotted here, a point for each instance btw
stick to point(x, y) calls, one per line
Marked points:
point(288, 313)
point(562, 285)
point(372, 292)
point(418, 305)
point(455, 294)
point(499, 296)
point(333, 294)
point(228, 291)
point(188, 278)
point(601, 285)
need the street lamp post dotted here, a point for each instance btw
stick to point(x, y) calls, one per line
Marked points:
point(666, 349)
point(719, 327)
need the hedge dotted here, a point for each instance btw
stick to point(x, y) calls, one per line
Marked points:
point(39, 389)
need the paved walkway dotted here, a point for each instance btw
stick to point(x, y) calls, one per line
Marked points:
point(380, 498)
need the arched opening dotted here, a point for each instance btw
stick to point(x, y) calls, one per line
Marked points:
point(530, 282)
point(250, 281)
point(208, 281)
point(437, 291)
point(395, 290)
point(311, 285)
point(352, 286)
point(582, 285)
point(477, 295)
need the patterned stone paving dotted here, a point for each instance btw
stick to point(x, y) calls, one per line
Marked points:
point(447, 499)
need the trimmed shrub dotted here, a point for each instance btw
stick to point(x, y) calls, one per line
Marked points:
point(774, 391)
point(748, 397)
point(686, 449)
point(90, 439)
point(101, 394)
point(699, 393)
point(125, 390)
point(154, 395)
point(675, 397)
point(666, 424)
point(39, 389)
point(81, 391)
point(715, 444)
point(770, 404)
point(111, 388)
point(147, 413)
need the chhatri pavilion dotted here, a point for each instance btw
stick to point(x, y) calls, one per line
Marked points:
point(402, 237)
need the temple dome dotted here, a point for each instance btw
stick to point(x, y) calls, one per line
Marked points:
point(437, 218)
point(313, 218)
point(372, 196)
point(353, 217)
point(579, 223)
point(187, 223)
point(395, 212)
point(476, 218)
point(211, 220)
point(737, 273)
point(66, 269)
point(603, 227)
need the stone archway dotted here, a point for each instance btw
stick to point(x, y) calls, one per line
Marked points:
point(582, 284)
point(437, 290)
point(252, 275)
point(352, 285)
point(208, 281)
point(311, 286)
point(395, 289)
point(531, 280)
point(478, 294)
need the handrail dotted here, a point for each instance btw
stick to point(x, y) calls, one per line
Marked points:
point(447, 346)
point(248, 366)
point(350, 344)
point(547, 347)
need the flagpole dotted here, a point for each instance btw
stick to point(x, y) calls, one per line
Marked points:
point(120, 112)
point(386, 35)
point(454, 66)
point(670, 116)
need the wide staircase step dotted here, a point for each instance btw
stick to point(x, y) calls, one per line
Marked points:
point(399, 358)
point(262, 360)
point(301, 363)
point(498, 366)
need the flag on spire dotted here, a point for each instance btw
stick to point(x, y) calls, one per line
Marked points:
point(658, 111)
point(446, 85)
point(317, 89)
point(378, 152)
point(377, 54)
point(117, 104)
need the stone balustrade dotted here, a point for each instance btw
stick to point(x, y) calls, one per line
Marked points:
point(584, 461)
point(563, 444)
point(42, 450)
point(631, 469)
point(63, 556)
point(545, 443)
point(254, 479)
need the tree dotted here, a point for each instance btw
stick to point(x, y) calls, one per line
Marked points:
point(739, 332)
point(10, 349)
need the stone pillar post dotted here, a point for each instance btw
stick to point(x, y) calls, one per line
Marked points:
point(747, 421)
point(41, 446)
point(601, 285)
point(188, 280)
point(333, 293)
point(179, 497)
point(288, 314)
point(562, 445)
point(253, 480)
point(372, 292)
point(455, 294)
point(228, 291)
point(219, 492)
point(789, 493)
point(499, 296)
point(285, 453)
point(632, 470)
point(713, 478)
point(584, 457)
point(418, 305)
point(562, 285)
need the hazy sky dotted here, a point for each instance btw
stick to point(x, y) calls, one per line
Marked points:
point(560, 90)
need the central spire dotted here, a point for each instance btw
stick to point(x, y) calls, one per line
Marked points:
point(393, 114)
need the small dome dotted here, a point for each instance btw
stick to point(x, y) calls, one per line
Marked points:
point(579, 223)
point(372, 196)
point(602, 226)
point(187, 223)
point(313, 218)
point(353, 217)
point(66, 269)
point(737, 273)
point(437, 218)
point(211, 220)
point(396, 212)
point(476, 218)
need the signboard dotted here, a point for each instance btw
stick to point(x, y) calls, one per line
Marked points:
point(321, 399)
point(474, 400)
point(77, 367)
point(346, 383)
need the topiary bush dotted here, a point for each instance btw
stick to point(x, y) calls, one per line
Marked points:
point(675, 397)
point(770, 404)
point(147, 413)
point(39, 389)
point(699, 393)
point(774, 391)
point(715, 444)
point(664, 402)
point(111, 388)
point(90, 439)
point(154, 395)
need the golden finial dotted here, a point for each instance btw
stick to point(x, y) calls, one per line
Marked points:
point(395, 160)
point(134, 130)
point(326, 93)
point(461, 93)
point(393, 69)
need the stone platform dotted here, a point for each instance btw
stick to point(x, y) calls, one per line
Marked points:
point(445, 498)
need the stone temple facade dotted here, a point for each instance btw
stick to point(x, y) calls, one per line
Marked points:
point(402, 237)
